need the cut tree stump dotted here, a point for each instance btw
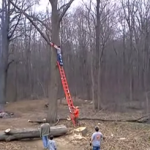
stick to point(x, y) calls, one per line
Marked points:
point(81, 130)
point(18, 134)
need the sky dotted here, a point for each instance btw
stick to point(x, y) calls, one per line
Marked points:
point(45, 3)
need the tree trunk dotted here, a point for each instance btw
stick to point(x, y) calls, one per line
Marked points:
point(53, 90)
point(97, 56)
point(4, 54)
point(18, 134)
point(2, 87)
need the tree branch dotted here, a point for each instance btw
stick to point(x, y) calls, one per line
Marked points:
point(15, 37)
point(16, 16)
point(65, 9)
point(62, 7)
point(19, 18)
point(14, 29)
point(37, 19)
point(8, 65)
point(28, 17)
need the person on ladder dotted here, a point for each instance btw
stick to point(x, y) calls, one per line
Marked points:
point(59, 56)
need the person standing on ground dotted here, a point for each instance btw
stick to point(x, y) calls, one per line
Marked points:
point(51, 143)
point(96, 139)
point(44, 133)
point(76, 115)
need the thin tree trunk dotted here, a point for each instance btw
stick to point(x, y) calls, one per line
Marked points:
point(97, 56)
point(4, 54)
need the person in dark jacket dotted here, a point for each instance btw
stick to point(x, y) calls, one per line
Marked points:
point(44, 133)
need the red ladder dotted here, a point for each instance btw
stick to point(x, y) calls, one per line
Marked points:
point(66, 91)
point(66, 88)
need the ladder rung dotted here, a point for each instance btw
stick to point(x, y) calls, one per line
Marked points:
point(70, 100)
point(64, 83)
point(64, 80)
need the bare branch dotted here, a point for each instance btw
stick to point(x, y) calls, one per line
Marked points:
point(14, 37)
point(14, 18)
point(13, 28)
point(8, 65)
point(10, 36)
point(62, 7)
point(28, 17)
point(65, 9)
point(37, 19)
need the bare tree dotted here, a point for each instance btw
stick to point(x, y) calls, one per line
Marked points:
point(57, 15)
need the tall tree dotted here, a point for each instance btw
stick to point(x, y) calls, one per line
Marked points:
point(56, 18)
point(6, 37)
point(4, 51)
point(10, 20)
point(97, 56)
point(57, 15)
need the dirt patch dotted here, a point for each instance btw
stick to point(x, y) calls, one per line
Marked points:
point(119, 136)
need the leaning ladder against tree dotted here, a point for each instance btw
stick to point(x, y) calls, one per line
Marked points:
point(65, 87)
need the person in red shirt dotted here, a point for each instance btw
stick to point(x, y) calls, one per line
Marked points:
point(76, 115)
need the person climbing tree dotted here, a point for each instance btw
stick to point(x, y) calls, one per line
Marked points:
point(44, 133)
point(96, 139)
point(59, 54)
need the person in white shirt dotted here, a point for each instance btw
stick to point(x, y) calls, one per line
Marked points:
point(96, 139)
point(51, 143)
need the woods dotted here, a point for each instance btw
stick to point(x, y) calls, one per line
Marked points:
point(105, 51)
point(106, 58)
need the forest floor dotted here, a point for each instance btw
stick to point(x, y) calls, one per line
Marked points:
point(119, 136)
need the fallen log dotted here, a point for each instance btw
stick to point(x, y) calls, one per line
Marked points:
point(37, 121)
point(138, 120)
point(42, 121)
point(143, 119)
point(19, 134)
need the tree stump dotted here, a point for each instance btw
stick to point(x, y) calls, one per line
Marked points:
point(81, 130)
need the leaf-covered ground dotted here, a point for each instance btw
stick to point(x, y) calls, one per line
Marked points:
point(119, 136)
